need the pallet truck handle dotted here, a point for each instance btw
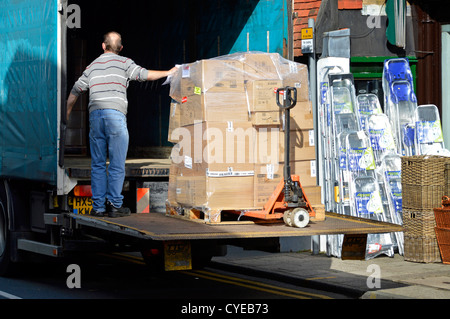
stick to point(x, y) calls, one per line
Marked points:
point(289, 100)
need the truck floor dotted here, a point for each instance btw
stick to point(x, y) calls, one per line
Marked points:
point(80, 167)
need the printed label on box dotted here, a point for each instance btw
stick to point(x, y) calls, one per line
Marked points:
point(188, 162)
point(186, 71)
point(313, 168)
point(311, 138)
point(270, 171)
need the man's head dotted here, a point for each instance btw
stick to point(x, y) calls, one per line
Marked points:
point(112, 42)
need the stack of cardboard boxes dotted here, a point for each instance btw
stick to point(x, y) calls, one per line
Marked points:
point(229, 134)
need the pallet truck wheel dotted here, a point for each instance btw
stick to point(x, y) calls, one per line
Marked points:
point(287, 217)
point(299, 218)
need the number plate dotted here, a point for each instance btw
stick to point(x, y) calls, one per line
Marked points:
point(177, 255)
point(82, 205)
point(354, 247)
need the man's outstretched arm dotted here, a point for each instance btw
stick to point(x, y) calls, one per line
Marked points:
point(156, 75)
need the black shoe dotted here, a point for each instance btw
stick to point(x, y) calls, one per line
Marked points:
point(118, 212)
point(97, 214)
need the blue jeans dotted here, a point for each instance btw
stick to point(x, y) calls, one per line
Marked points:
point(108, 135)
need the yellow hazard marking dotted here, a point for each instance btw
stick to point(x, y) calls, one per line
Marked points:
point(143, 200)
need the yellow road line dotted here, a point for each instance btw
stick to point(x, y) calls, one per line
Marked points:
point(253, 284)
point(244, 285)
point(271, 286)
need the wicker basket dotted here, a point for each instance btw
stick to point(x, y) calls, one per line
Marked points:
point(442, 215)
point(422, 249)
point(418, 223)
point(447, 178)
point(425, 197)
point(424, 170)
point(443, 239)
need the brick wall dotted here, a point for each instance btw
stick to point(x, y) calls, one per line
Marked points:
point(305, 9)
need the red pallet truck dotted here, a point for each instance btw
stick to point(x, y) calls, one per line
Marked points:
point(288, 201)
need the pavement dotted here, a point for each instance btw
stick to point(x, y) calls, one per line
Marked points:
point(379, 278)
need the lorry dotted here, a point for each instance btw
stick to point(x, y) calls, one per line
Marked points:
point(44, 159)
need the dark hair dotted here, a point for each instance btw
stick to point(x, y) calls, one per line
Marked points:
point(112, 44)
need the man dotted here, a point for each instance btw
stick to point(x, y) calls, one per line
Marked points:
point(107, 79)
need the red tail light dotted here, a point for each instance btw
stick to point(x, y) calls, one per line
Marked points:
point(82, 190)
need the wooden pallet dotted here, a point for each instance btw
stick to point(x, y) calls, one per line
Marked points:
point(191, 213)
point(319, 209)
point(209, 216)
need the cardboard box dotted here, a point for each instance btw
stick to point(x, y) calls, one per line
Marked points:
point(230, 74)
point(266, 144)
point(174, 121)
point(217, 148)
point(261, 66)
point(301, 117)
point(267, 177)
point(191, 191)
point(266, 118)
point(314, 194)
point(215, 166)
point(213, 75)
point(295, 75)
point(230, 192)
point(224, 107)
point(302, 145)
point(214, 107)
point(262, 95)
point(181, 157)
point(215, 192)
point(307, 171)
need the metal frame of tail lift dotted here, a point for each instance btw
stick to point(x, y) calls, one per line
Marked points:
point(288, 201)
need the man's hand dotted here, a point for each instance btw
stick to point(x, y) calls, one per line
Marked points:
point(173, 71)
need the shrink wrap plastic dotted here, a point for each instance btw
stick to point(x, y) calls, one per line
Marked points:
point(229, 130)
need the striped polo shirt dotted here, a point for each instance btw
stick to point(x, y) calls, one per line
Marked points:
point(107, 79)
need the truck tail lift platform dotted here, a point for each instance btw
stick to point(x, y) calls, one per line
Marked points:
point(182, 244)
point(288, 201)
